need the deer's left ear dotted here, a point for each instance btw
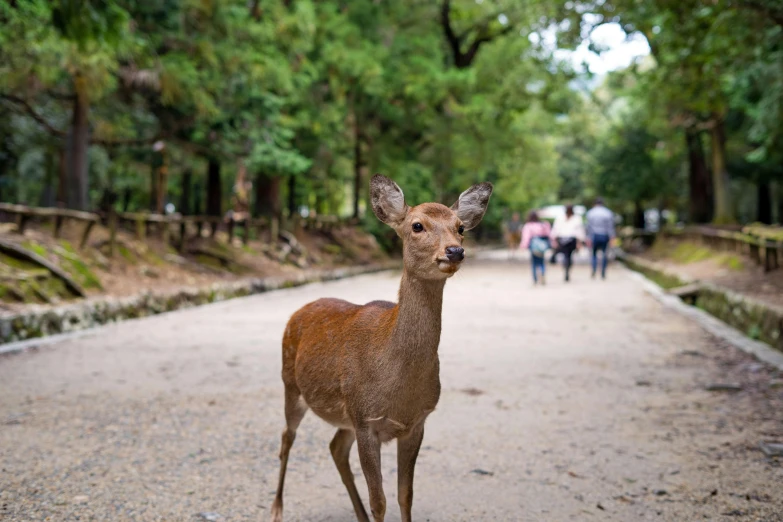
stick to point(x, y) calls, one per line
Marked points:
point(472, 204)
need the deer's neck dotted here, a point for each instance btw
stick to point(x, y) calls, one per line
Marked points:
point(417, 331)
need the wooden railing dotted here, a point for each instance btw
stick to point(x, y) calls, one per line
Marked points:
point(24, 214)
point(168, 228)
point(762, 243)
point(630, 235)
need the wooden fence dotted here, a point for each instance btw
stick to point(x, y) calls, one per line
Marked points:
point(24, 214)
point(761, 243)
point(169, 228)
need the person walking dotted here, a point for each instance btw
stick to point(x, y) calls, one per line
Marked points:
point(600, 232)
point(535, 237)
point(513, 234)
point(567, 233)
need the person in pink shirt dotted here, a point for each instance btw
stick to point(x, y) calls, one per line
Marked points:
point(535, 237)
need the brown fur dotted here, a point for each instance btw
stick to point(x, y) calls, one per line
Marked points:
point(372, 371)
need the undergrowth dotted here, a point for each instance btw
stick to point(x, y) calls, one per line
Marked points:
point(687, 252)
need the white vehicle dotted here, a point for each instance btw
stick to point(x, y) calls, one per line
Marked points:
point(555, 211)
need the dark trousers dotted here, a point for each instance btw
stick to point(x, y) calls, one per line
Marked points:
point(600, 242)
point(566, 245)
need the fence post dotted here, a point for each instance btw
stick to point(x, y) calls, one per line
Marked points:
point(274, 230)
point(166, 231)
point(230, 225)
point(183, 229)
point(260, 224)
point(86, 235)
point(765, 258)
point(246, 237)
point(112, 231)
point(58, 225)
point(296, 223)
point(21, 222)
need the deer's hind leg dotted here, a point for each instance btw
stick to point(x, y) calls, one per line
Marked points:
point(341, 450)
point(295, 409)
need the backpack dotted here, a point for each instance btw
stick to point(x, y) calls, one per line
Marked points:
point(539, 246)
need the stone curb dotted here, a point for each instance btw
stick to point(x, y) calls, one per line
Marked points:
point(711, 322)
point(22, 330)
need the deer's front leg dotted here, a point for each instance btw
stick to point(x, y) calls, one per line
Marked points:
point(370, 457)
point(407, 451)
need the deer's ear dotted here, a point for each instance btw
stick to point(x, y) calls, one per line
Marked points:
point(387, 200)
point(472, 204)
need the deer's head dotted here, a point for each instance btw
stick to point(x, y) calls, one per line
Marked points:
point(431, 233)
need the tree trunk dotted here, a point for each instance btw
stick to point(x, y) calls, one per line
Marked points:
point(153, 183)
point(357, 167)
point(158, 181)
point(62, 178)
point(48, 192)
point(78, 145)
point(292, 199)
point(764, 202)
point(700, 184)
point(197, 206)
point(185, 195)
point(638, 215)
point(720, 176)
point(214, 189)
point(780, 202)
point(268, 196)
point(126, 198)
point(163, 183)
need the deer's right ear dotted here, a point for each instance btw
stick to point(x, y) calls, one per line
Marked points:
point(387, 200)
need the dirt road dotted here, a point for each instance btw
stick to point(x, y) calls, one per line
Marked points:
point(584, 401)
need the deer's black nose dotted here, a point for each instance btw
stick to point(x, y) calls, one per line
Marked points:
point(455, 253)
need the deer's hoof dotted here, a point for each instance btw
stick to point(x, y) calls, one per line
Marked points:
point(277, 513)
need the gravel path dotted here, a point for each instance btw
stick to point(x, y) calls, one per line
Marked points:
point(584, 401)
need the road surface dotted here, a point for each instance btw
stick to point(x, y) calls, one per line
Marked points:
point(580, 401)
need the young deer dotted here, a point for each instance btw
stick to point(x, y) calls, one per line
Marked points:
point(372, 371)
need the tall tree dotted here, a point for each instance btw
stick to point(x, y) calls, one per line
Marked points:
point(699, 180)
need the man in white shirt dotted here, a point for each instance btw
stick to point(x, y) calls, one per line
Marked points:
point(567, 232)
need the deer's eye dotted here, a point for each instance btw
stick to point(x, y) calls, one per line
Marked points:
point(418, 227)
point(461, 230)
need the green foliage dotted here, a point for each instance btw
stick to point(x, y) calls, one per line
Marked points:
point(716, 69)
point(325, 93)
point(663, 279)
point(691, 253)
point(686, 252)
point(81, 272)
point(83, 21)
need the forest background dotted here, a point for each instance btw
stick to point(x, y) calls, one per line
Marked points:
point(281, 107)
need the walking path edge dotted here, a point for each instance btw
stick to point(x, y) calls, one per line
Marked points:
point(712, 324)
point(83, 318)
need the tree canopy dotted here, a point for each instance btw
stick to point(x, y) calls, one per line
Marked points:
point(137, 104)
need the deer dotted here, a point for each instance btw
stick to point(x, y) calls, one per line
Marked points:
point(372, 371)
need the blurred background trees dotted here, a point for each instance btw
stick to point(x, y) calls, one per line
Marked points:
point(288, 106)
